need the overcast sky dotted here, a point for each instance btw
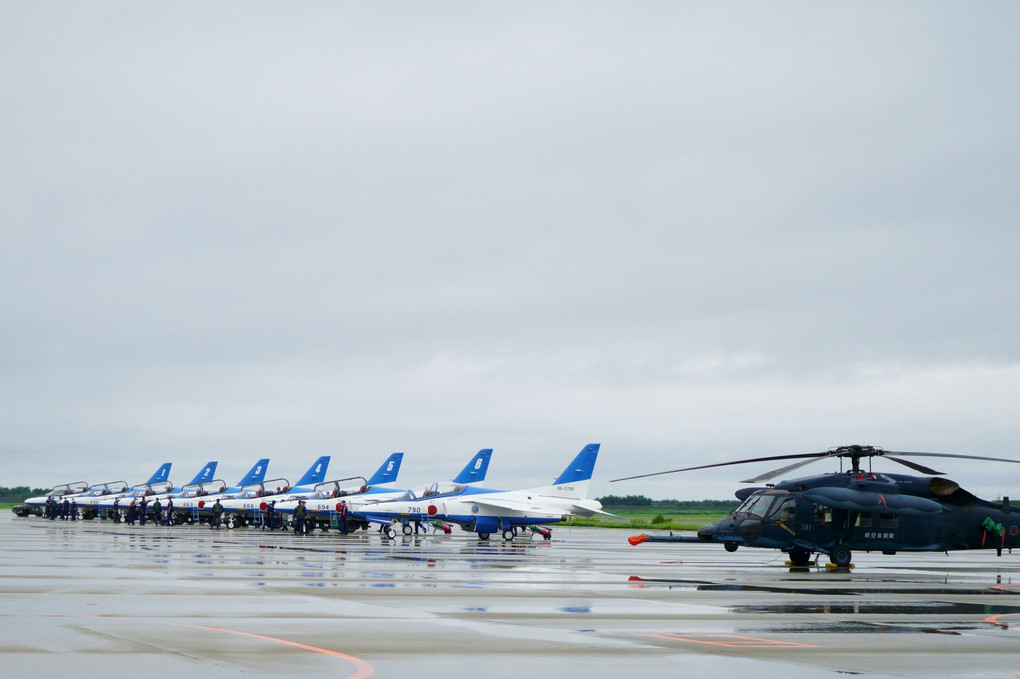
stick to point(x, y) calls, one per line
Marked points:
point(692, 232)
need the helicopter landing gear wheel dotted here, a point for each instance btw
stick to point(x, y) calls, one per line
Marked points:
point(730, 546)
point(800, 557)
point(407, 530)
point(508, 534)
point(841, 556)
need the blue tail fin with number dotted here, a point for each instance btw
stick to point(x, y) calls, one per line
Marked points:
point(475, 470)
point(387, 473)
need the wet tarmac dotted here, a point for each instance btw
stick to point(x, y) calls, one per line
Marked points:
point(93, 599)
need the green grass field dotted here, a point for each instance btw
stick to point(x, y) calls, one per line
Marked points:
point(646, 519)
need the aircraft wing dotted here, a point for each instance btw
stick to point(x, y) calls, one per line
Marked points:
point(511, 504)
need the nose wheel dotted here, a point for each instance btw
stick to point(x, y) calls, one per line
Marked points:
point(841, 556)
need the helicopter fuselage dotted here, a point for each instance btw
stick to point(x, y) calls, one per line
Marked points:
point(836, 513)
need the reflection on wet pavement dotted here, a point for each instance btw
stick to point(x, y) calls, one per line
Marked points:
point(585, 604)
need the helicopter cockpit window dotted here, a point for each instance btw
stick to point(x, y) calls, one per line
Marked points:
point(760, 504)
point(823, 515)
point(784, 510)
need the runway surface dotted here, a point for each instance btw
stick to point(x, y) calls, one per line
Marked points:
point(93, 599)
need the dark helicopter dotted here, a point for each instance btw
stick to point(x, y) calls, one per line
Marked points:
point(836, 513)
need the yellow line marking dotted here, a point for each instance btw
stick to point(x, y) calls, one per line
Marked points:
point(732, 641)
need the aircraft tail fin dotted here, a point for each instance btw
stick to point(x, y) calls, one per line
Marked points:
point(256, 474)
point(206, 475)
point(582, 467)
point(387, 473)
point(474, 472)
point(316, 473)
point(162, 474)
point(574, 481)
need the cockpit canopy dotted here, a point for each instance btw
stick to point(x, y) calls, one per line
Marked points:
point(768, 503)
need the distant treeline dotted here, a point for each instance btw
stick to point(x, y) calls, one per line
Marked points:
point(689, 505)
point(19, 493)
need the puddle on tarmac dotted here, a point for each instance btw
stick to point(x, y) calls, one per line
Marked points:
point(875, 608)
point(862, 627)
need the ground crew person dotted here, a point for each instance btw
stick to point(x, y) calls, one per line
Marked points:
point(269, 518)
point(157, 512)
point(143, 506)
point(300, 518)
point(169, 511)
point(343, 516)
point(217, 514)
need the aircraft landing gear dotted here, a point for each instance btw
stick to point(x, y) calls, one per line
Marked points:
point(483, 536)
point(800, 556)
point(730, 546)
point(391, 532)
point(841, 556)
point(407, 529)
point(508, 534)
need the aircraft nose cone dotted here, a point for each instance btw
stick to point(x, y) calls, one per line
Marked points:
point(750, 530)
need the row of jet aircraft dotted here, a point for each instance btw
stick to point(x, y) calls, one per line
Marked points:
point(463, 500)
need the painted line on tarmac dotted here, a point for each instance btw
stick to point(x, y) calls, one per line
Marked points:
point(363, 669)
point(732, 641)
point(997, 620)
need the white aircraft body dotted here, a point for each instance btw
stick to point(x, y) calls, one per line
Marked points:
point(120, 501)
point(252, 495)
point(64, 491)
point(88, 505)
point(193, 498)
point(485, 511)
point(324, 498)
point(322, 510)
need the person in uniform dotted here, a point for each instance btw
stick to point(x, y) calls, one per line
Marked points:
point(270, 515)
point(217, 515)
point(300, 518)
point(143, 506)
point(343, 516)
point(169, 511)
point(157, 512)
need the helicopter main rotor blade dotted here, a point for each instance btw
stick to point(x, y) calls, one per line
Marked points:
point(778, 472)
point(853, 452)
point(914, 465)
point(953, 455)
point(725, 464)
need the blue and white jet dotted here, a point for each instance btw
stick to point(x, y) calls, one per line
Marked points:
point(108, 502)
point(88, 504)
point(485, 511)
point(193, 497)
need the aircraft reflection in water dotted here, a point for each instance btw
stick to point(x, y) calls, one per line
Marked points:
point(836, 513)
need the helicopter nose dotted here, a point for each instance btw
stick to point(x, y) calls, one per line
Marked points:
point(705, 533)
point(750, 530)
